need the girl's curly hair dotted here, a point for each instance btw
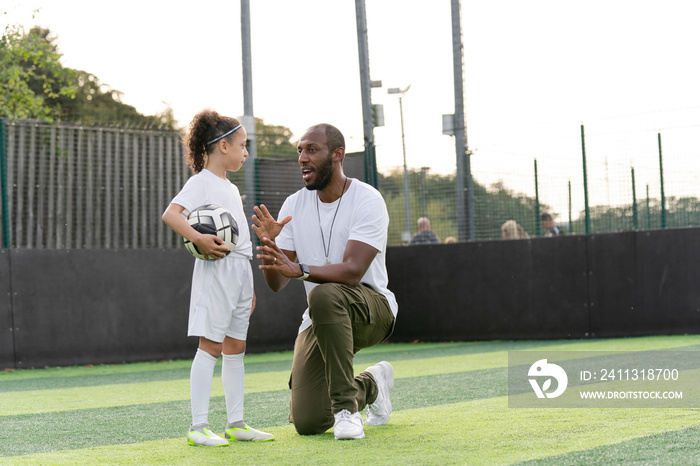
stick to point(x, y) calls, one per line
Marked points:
point(204, 127)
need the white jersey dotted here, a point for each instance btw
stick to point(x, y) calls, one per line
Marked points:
point(359, 215)
point(222, 290)
point(207, 188)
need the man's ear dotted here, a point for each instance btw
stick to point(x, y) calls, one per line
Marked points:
point(339, 154)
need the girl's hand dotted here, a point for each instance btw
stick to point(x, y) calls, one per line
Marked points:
point(211, 247)
point(265, 225)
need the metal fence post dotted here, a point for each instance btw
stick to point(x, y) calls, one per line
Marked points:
point(585, 182)
point(661, 175)
point(423, 205)
point(3, 187)
point(648, 210)
point(571, 223)
point(635, 216)
point(538, 227)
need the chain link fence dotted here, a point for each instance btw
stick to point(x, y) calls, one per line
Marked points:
point(74, 187)
point(67, 186)
point(627, 180)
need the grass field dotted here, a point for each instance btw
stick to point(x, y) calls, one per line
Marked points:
point(450, 407)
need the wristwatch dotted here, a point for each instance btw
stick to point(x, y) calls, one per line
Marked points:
point(304, 272)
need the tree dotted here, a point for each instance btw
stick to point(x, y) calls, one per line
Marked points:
point(36, 86)
point(97, 104)
point(32, 79)
point(274, 141)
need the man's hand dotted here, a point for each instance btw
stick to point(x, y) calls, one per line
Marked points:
point(265, 225)
point(274, 259)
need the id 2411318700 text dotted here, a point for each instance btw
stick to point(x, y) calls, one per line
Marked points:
point(607, 375)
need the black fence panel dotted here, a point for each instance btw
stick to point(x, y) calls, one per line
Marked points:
point(7, 337)
point(490, 290)
point(89, 306)
point(645, 283)
point(669, 271)
point(74, 307)
point(81, 306)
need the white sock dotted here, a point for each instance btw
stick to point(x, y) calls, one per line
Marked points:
point(201, 376)
point(233, 378)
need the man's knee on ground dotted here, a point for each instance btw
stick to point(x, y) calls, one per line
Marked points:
point(311, 426)
point(324, 297)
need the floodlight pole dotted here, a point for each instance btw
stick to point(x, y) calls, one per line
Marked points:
point(406, 195)
point(460, 131)
point(366, 93)
point(248, 119)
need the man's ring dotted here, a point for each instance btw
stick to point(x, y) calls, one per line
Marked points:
point(274, 261)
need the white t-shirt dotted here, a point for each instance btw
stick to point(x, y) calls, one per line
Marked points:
point(222, 289)
point(361, 216)
point(207, 188)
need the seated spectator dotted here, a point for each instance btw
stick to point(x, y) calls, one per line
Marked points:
point(512, 230)
point(549, 228)
point(425, 235)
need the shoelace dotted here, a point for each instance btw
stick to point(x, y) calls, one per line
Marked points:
point(346, 415)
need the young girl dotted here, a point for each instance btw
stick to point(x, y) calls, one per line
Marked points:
point(222, 297)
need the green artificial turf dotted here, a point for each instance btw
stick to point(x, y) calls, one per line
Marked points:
point(450, 407)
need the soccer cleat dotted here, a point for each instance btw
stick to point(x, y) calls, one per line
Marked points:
point(348, 426)
point(379, 411)
point(247, 434)
point(205, 438)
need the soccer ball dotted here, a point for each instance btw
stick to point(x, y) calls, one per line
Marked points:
point(213, 220)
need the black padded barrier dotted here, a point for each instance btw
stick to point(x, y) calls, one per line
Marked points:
point(7, 338)
point(490, 290)
point(84, 306)
point(670, 280)
point(275, 322)
point(71, 307)
point(645, 283)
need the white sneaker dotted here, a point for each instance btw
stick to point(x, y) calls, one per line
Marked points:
point(379, 411)
point(348, 426)
point(205, 438)
point(248, 434)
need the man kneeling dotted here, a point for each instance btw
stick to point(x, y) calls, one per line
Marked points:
point(332, 235)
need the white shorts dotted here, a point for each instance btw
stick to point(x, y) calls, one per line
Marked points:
point(221, 298)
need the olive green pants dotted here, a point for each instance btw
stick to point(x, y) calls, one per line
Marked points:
point(344, 319)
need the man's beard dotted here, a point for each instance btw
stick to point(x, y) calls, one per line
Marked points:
point(324, 173)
